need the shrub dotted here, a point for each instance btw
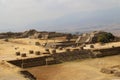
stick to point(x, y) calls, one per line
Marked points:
point(105, 37)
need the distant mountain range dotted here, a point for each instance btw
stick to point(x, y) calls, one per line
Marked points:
point(114, 28)
point(108, 20)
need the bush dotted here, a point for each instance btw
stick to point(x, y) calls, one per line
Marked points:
point(105, 37)
point(110, 36)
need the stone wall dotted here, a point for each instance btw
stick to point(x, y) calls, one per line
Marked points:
point(65, 56)
point(83, 54)
point(72, 55)
point(106, 52)
point(32, 62)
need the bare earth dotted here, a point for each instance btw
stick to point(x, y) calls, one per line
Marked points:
point(77, 70)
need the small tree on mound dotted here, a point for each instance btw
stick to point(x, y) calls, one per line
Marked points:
point(105, 37)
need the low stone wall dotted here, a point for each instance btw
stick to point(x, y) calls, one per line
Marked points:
point(112, 70)
point(28, 75)
point(72, 55)
point(106, 52)
point(53, 59)
point(83, 54)
point(32, 62)
point(16, 62)
point(65, 56)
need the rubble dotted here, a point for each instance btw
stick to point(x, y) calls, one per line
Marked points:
point(115, 70)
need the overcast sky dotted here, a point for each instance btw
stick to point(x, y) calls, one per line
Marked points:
point(18, 15)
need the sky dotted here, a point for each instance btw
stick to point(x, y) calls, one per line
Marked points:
point(59, 15)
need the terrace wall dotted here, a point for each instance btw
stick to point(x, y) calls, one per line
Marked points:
point(106, 52)
point(65, 56)
point(72, 55)
point(31, 62)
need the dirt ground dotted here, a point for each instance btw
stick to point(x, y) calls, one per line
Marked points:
point(77, 70)
point(9, 72)
point(8, 49)
point(7, 52)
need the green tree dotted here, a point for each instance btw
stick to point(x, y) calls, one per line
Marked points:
point(69, 37)
point(110, 36)
point(105, 37)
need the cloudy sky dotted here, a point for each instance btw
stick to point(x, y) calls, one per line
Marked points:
point(19, 15)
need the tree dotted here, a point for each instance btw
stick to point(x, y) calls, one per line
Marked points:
point(110, 36)
point(69, 37)
point(105, 37)
point(102, 38)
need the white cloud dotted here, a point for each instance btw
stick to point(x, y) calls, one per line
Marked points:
point(23, 12)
